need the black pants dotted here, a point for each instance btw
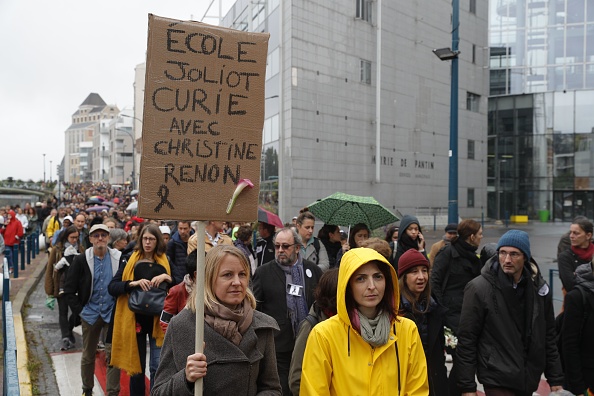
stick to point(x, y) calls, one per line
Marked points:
point(283, 362)
point(453, 377)
point(66, 323)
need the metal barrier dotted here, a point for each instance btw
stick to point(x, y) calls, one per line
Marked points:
point(553, 271)
point(11, 374)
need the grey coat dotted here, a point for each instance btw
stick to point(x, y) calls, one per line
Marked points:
point(248, 369)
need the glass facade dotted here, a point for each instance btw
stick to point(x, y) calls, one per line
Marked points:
point(541, 122)
point(541, 155)
point(252, 16)
point(540, 46)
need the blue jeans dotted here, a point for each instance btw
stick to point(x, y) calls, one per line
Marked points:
point(137, 382)
point(12, 256)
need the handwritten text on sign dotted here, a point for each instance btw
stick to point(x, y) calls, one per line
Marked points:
point(203, 117)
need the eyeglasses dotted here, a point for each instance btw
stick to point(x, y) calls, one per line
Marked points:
point(100, 235)
point(149, 239)
point(513, 255)
point(285, 246)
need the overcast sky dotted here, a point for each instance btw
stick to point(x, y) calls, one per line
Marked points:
point(55, 53)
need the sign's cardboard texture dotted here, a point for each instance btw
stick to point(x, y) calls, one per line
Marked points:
point(203, 120)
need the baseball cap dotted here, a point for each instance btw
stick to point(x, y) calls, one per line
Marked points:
point(98, 227)
point(165, 230)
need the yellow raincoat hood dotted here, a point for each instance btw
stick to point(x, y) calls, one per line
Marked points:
point(351, 261)
point(337, 361)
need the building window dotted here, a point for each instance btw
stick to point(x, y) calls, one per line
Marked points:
point(363, 10)
point(472, 7)
point(272, 63)
point(472, 101)
point(470, 200)
point(365, 71)
point(474, 53)
point(471, 149)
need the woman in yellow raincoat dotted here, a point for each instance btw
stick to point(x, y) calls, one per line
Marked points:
point(366, 349)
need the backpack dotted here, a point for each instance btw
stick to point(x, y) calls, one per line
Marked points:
point(316, 244)
point(559, 321)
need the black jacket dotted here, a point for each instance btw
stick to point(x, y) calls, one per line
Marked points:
point(490, 343)
point(78, 286)
point(434, 345)
point(452, 269)
point(177, 252)
point(269, 287)
point(576, 338)
point(568, 262)
point(332, 249)
point(265, 250)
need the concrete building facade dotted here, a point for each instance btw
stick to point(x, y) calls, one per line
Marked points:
point(344, 78)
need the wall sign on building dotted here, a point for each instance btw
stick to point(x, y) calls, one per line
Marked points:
point(203, 119)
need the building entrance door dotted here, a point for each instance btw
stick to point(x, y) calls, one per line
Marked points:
point(569, 204)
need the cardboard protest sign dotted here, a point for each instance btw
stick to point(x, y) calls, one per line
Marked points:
point(203, 120)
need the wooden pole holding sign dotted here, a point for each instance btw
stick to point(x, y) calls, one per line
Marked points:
point(202, 129)
point(200, 263)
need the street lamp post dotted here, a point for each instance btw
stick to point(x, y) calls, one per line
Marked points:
point(103, 162)
point(50, 171)
point(44, 179)
point(499, 162)
point(133, 156)
point(452, 54)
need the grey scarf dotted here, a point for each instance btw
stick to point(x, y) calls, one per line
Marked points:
point(375, 331)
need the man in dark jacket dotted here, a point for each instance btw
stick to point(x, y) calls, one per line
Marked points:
point(507, 326)
point(177, 250)
point(284, 289)
point(85, 290)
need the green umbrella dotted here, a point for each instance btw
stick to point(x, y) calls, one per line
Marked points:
point(347, 210)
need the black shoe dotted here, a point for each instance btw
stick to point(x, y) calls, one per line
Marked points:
point(65, 344)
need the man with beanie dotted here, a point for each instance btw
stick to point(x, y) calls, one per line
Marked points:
point(507, 328)
point(451, 231)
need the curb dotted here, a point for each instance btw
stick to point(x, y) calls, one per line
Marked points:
point(19, 328)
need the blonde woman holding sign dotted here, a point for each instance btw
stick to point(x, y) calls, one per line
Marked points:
point(239, 356)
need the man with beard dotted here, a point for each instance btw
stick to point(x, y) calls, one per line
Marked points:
point(284, 290)
point(506, 335)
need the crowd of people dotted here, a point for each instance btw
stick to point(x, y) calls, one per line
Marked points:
point(289, 313)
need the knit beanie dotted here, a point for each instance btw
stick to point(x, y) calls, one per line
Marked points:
point(411, 258)
point(518, 239)
point(408, 220)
